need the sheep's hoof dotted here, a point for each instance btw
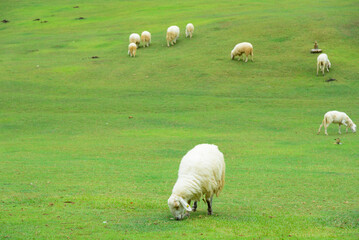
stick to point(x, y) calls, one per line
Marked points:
point(210, 212)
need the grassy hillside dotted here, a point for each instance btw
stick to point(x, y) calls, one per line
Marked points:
point(74, 165)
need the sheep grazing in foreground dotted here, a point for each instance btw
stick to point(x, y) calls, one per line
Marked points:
point(201, 173)
point(172, 35)
point(337, 117)
point(241, 48)
point(323, 62)
point(189, 30)
point(146, 38)
point(132, 47)
point(135, 38)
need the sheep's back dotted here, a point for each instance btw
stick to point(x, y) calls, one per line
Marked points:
point(206, 164)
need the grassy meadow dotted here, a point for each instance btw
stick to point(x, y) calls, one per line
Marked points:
point(75, 165)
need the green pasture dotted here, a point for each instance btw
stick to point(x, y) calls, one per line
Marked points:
point(90, 147)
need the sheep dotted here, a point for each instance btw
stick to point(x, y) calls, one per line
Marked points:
point(132, 49)
point(146, 38)
point(201, 173)
point(241, 48)
point(337, 117)
point(172, 35)
point(189, 30)
point(323, 62)
point(135, 38)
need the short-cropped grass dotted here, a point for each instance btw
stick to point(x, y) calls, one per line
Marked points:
point(90, 147)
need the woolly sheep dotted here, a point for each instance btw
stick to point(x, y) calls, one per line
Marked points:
point(172, 35)
point(241, 48)
point(132, 49)
point(201, 173)
point(337, 117)
point(146, 38)
point(323, 62)
point(189, 30)
point(135, 38)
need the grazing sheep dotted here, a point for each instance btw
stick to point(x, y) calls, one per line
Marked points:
point(132, 47)
point(189, 30)
point(241, 48)
point(172, 35)
point(323, 62)
point(201, 173)
point(146, 38)
point(135, 38)
point(337, 117)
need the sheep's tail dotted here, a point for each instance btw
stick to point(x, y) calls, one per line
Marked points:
point(221, 183)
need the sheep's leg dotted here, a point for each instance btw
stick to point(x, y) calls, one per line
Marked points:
point(339, 128)
point(194, 208)
point(190, 34)
point(320, 127)
point(168, 44)
point(327, 68)
point(346, 131)
point(325, 127)
point(209, 204)
point(246, 58)
point(252, 56)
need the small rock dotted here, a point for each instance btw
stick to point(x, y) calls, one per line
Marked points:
point(5, 21)
point(37, 19)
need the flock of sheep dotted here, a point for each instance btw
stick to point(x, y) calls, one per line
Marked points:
point(202, 170)
point(172, 35)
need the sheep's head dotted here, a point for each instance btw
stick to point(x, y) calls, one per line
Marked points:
point(178, 207)
point(232, 55)
point(353, 127)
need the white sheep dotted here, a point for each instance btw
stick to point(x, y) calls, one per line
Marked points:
point(135, 38)
point(146, 38)
point(241, 48)
point(337, 117)
point(132, 47)
point(201, 173)
point(189, 30)
point(323, 62)
point(172, 35)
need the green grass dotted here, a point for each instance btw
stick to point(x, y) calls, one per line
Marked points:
point(66, 136)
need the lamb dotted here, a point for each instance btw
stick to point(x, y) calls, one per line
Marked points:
point(146, 38)
point(135, 38)
point(172, 35)
point(189, 30)
point(132, 47)
point(241, 48)
point(337, 117)
point(323, 62)
point(201, 173)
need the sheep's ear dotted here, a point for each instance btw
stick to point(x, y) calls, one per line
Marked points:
point(185, 205)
